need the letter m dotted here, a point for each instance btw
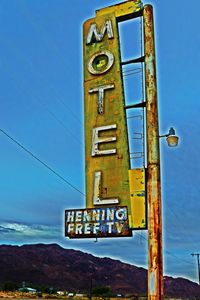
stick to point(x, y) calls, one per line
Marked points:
point(96, 36)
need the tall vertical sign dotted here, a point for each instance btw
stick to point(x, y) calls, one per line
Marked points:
point(106, 141)
point(115, 195)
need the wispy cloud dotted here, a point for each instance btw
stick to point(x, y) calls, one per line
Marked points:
point(10, 230)
point(5, 229)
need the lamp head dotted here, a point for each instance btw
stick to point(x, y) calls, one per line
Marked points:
point(172, 139)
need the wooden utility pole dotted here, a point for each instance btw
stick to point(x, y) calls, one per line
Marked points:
point(155, 256)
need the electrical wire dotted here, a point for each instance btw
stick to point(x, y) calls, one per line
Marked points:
point(126, 73)
point(53, 115)
point(41, 162)
point(183, 260)
point(166, 251)
point(177, 218)
point(131, 70)
point(60, 56)
point(39, 100)
point(142, 83)
point(131, 73)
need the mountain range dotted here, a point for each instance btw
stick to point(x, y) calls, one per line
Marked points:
point(75, 271)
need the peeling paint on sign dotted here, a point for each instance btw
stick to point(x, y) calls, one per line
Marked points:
point(97, 222)
point(106, 138)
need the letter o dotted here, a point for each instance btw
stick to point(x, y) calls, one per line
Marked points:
point(100, 62)
point(121, 214)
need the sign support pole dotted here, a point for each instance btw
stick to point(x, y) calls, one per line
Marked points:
point(155, 257)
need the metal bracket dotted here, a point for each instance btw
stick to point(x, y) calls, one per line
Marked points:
point(133, 61)
point(137, 105)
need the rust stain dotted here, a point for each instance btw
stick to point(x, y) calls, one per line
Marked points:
point(155, 274)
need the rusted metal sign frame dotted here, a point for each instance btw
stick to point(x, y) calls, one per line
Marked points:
point(97, 223)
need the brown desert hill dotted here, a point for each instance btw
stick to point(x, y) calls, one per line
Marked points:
point(72, 270)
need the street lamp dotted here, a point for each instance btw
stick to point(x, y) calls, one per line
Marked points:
point(171, 137)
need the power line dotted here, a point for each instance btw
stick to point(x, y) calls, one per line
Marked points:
point(131, 73)
point(40, 161)
point(53, 115)
point(63, 125)
point(166, 251)
point(59, 56)
point(177, 218)
point(177, 257)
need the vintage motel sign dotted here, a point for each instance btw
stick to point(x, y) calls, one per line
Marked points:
point(115, 195)
point(106, 141)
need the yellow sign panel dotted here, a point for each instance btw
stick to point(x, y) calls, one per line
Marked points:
point(138, 218)
point(122, 9)
point(108, 180)
point(106, 140)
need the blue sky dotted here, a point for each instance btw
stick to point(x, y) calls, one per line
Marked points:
point(41, 98)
